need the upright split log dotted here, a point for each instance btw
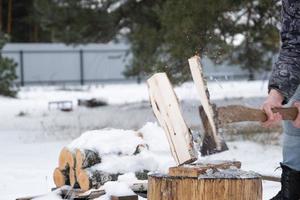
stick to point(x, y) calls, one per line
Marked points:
point(163, 187)
point(91, 178)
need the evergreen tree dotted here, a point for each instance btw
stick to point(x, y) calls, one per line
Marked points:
point(163, 34)
point(7, 72)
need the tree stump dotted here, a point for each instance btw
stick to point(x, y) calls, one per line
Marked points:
point(230, 184)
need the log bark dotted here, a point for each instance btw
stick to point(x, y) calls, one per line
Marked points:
point(89, 178)
point(61, 177)
point(162, 187)
point(142, 175)
point(86, 158)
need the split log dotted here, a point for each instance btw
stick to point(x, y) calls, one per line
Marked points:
point(90, 178)
point(66, 159)
point(195, 170)
point(167, 111)
point(86, 158)
point(164, 187)
point(61, 177)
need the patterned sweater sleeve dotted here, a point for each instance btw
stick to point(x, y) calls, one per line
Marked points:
point(285, 75)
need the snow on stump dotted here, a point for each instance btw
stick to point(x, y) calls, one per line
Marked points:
point(227, 184)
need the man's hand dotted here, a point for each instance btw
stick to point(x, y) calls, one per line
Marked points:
point(273, 100)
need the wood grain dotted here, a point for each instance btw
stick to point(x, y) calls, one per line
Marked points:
point(238, 113)
point(167, 111)
point(201, 86)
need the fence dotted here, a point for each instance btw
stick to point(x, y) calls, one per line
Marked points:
point(68, 66)
point(57, 63)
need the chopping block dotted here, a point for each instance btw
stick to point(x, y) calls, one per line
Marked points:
point(217, 180)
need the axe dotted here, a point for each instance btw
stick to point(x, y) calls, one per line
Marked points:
point(212, 116)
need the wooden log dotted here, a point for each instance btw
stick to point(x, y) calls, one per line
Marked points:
point(163, 187)
point(86, 158)
point(90, 178)
point(66, 159)
point(201, 86)
point(139, 186)
point(200, 168)
point(167, 111)
point(61, 177)
point(142, 175)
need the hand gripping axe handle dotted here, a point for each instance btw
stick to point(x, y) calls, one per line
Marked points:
point(212, 117)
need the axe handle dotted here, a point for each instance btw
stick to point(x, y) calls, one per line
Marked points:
point(237, 113)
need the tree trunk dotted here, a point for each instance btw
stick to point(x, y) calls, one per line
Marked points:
point(89, 178)
point(163, 187)
point(61, 177)
point(1, 18)
point(9, 17)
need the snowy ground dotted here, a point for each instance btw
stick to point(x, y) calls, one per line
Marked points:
point(31, 136)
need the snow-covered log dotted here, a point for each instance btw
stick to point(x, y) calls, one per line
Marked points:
point(142, 175)
point(61, 177)
point(86, 158)
point(91, 178)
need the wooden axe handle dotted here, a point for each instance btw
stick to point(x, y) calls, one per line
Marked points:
point(237, 113)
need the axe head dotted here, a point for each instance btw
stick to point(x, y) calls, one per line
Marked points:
point(213, 142)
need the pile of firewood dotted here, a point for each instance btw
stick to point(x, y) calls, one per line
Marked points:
point(76, 167)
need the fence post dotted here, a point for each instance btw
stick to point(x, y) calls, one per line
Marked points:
point(22, 68)
point(81, 67)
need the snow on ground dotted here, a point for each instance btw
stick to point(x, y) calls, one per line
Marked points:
point(130, 92)
point(31, 136)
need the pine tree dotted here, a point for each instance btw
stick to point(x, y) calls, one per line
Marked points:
point(7, 72)
point(163, 34)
